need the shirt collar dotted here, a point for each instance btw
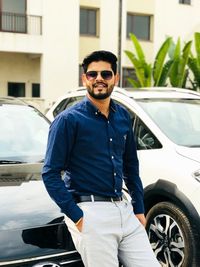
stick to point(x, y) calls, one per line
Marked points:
point(92, 108)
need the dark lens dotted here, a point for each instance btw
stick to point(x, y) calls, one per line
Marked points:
point(106, 74)
point(90, 75)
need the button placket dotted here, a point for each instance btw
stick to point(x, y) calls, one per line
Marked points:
point(111, 135)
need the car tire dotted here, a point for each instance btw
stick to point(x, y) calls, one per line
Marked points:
point(171, 235)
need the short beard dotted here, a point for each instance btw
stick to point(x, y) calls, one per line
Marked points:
point(99, 96)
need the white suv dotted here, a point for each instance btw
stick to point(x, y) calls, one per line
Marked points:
point(166, 123)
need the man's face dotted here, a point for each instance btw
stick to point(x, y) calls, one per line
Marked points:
point(97, 86)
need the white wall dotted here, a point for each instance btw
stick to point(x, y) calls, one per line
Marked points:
point(109, 26)
point(174, 19)
point(35, 7)
point(59, 64)
point(18, 67)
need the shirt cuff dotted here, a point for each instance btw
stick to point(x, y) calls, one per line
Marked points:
point(74, 214)
point(138, 207)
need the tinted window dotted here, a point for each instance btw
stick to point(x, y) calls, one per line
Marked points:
point(14, 6)
point(187, 2)
point(66, 103)
point(16, 89)
point(80, 75)
point(139, 25)
point(35, 90)
point(145, 139)
point(87, 21)
point(13, 17)
point(128, 73)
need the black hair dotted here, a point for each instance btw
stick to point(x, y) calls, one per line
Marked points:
point(100, 55)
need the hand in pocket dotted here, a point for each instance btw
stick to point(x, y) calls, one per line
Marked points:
point(79, 224)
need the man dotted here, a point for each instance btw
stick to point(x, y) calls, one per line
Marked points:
point(93, 143)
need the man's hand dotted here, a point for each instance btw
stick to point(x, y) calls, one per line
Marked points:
point(141, 218)
point(79, 224)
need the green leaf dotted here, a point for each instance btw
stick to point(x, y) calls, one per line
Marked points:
point(194, 67)
point(177, 50)
point(197, 46)
point(138, 47)
point(159, 60)
point(173, 74)
point(183, 63)
point(165, 73)
point(148, 74)
point(138, 67)
point(171, 50)
point(185, 77)
point(134, 83)
point(174, 80)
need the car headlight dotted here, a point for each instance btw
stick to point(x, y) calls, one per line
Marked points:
point(196, 175)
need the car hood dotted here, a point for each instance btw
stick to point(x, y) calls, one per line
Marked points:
point(30, 222)
point(192, 153)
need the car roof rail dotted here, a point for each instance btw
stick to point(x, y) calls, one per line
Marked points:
point(160, 89)
point(121, 90)
point(11, 99)
point(169, 89)
point(81, 88)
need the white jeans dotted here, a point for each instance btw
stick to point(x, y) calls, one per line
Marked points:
point(111, 232)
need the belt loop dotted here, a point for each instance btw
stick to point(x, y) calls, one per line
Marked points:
point(92, 198)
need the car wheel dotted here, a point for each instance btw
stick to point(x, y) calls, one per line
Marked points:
point(171, 236)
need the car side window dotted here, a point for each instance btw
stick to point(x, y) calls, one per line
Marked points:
point(145, 139)
point(66, 103)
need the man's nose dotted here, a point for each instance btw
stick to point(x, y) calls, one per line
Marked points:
point(99, 77)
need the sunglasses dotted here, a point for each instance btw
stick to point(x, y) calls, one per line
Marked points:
point(105, 74)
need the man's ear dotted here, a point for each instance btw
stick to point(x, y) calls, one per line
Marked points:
point(116, 79)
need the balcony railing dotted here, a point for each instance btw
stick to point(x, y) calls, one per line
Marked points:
point(20, 23)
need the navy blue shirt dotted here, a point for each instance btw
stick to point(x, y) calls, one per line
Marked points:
point(96, 153)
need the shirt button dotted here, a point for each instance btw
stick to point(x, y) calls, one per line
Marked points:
point(115, 174)
point(112, 157)
point(108, 122)
point(96, 113)
point(110, 139)
point(115, 190)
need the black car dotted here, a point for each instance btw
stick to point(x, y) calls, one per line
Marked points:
point(32, 229)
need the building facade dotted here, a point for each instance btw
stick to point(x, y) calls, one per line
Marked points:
point(43, 42)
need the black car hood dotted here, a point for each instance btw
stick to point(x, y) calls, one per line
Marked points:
point(30, 222)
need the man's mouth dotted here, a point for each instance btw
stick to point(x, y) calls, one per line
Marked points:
point(100, 85)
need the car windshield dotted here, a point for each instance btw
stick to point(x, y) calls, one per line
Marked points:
point(179, 119)
point(23, 134)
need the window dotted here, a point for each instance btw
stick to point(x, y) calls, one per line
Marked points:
point(128, 73)
point(13, 15)
point(145, 139)
point(35, 90)
point(139, 25)
point(16, 89)
point(66, 103)
point(88, 21)
point(185, 2)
